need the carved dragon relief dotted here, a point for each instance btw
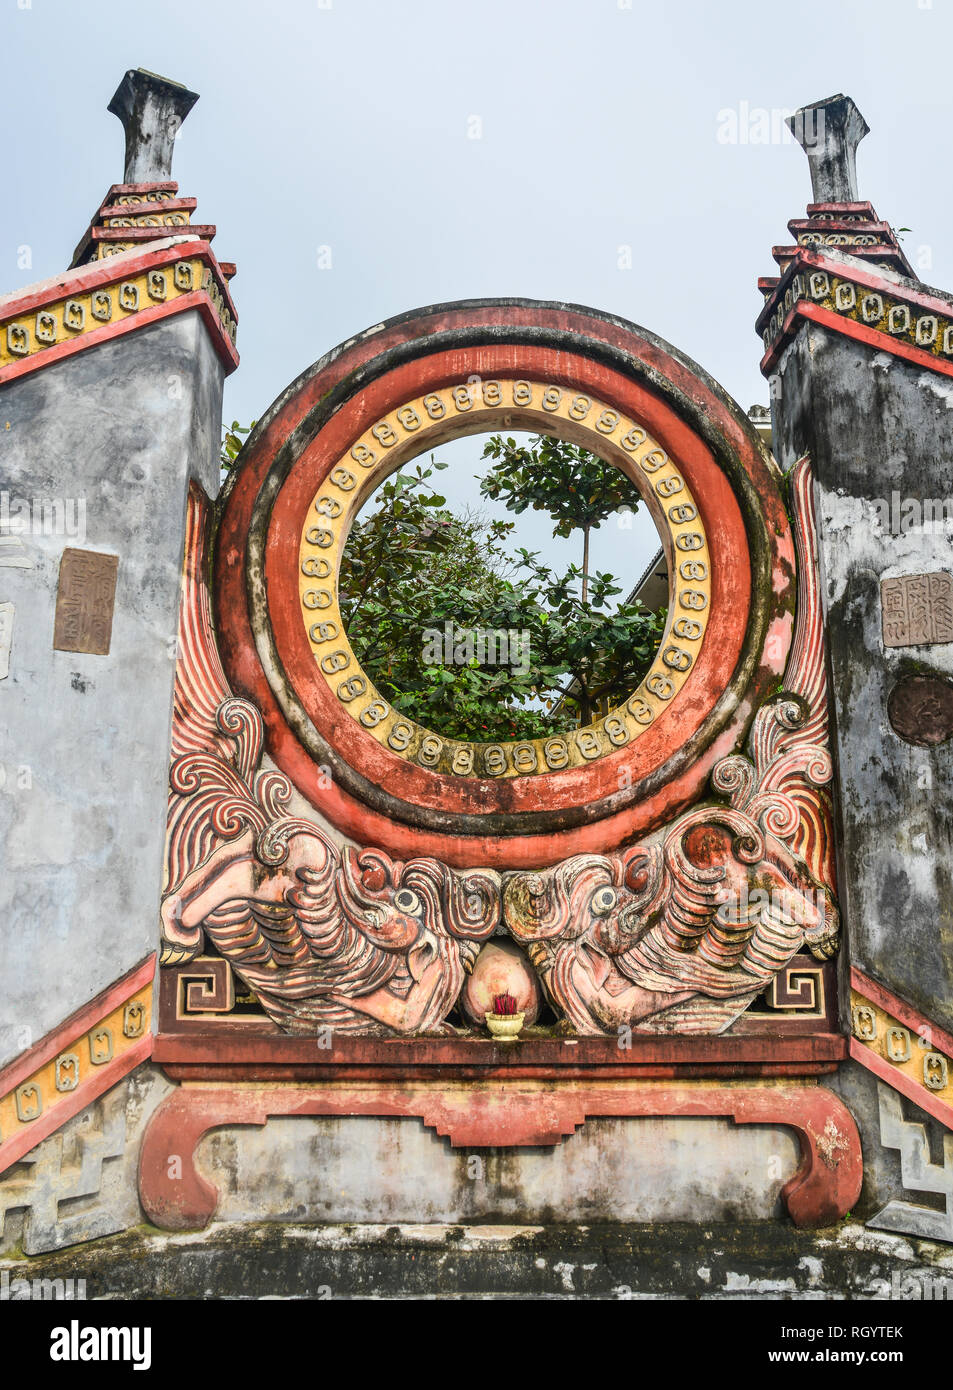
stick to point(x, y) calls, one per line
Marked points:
point(680, 934)
point(674, 935)
point(326, 936)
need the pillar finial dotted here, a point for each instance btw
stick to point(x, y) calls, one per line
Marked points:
point(151, 109)
point(829, 132)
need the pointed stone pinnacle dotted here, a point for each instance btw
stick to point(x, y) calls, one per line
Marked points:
point(151, 109)
point(829, 132)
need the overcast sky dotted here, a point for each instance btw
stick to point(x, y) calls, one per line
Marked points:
point(443, 150)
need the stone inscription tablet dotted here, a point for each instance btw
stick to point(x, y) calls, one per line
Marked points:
point(917, 609)
point(85, 600)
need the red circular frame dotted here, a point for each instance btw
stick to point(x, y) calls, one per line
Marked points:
point(669, 397)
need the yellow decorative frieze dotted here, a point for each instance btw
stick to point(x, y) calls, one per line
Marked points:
point(104, 249)
point(151, 219)
point(84, 311)
point(79, 1060)
point(840, 239)
point(161, 195)
point(913, 1052)
point(903, 320)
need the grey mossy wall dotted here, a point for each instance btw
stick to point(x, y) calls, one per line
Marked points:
point(84, 739)
point(875, 425)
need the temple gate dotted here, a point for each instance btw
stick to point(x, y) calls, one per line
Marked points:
point(245, 894)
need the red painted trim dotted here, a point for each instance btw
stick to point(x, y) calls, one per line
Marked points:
point(146, 209)
point(254, 1050)
point(197, 299)
point(106, 234)
point(170, 186)
point(139, 210)
point(849, 328)
point(804, 224)
point(825, 1186)
point(93, 276)
point(866, 208)
point(784, 255)
point(899, 1009)
point(44, 1051)
point(72, 1102)
point(115, 268)
point(884, 342)
point(506, 1071)
point(815, 260)
point(438, 1051)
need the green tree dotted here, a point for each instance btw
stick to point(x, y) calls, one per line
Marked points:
point(606, 652)
point(233, 438)
point(410, 571)
point(578, 489)
point(411, 568)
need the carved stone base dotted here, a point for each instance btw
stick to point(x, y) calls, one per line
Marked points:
point(490, 1115)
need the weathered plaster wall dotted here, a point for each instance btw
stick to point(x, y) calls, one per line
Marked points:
point(875, 426)
point(369, 1170)
point(81, 1182)
point(84, 739)
point(918, 1173)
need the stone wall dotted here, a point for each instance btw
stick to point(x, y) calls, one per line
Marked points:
point(113, 434)
point(880, 430)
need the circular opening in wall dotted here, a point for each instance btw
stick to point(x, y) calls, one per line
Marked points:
point(506, 586)
point(407, 390)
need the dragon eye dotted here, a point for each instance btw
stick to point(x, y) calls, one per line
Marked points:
point(407, 901)
point(603, 901)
